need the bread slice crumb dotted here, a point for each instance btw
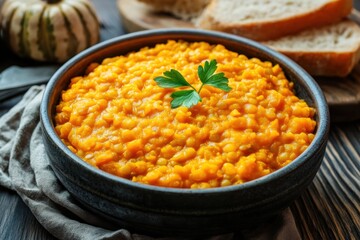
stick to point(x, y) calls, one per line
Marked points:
point(331, 50)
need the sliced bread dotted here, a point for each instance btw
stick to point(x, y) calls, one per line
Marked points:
point(331, 50)
point(266, 19)
point(183, 9)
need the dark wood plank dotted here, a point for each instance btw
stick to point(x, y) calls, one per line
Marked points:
point(16, 221)
point(137, 16)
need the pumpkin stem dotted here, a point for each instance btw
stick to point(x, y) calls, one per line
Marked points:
point(52, 1)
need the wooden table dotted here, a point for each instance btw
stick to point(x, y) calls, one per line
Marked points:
point(315, 218)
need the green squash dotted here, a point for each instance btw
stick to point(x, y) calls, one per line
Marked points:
point(49, 30)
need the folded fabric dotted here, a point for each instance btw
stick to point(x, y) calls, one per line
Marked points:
point(24, 168)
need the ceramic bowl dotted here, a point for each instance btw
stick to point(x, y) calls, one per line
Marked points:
point(168, 211)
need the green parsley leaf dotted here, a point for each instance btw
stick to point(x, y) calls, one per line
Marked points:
point(207, 71)
point(172, 79)
point(189, 98)
point(219, 81)
point(206, 75)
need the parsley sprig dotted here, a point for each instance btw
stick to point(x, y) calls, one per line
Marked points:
point(189, 98)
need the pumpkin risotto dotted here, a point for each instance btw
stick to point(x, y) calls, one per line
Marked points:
point(119, 120)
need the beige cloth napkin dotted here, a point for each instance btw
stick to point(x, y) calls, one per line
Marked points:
point(24, 168)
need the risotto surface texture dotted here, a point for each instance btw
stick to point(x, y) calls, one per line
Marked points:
point(119, 120)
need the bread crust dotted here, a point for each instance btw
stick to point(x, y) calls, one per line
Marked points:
point(330, 64)
point(329, 13)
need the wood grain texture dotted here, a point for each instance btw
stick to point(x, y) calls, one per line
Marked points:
point(136, 16)
point(16, 219)
point(330, 209)
point(342, 94)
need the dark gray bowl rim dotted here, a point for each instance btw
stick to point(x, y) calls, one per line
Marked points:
point(319, 100)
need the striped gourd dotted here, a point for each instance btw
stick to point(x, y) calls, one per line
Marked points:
point(49, 30)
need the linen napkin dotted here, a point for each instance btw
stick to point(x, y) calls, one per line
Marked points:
point(24, 168)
